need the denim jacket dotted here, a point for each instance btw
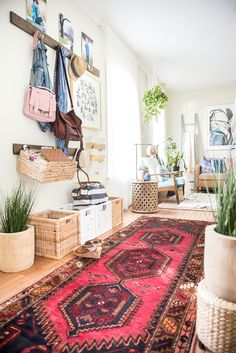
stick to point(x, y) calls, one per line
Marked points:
point(40, 75)
point(39, 71)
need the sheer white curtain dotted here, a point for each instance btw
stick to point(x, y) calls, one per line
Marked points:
point(123, 116)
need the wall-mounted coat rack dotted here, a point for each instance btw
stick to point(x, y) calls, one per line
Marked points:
point(49, 41)
point(17, 147)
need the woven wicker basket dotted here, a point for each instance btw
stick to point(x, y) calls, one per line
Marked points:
point(216, 321)
point(45, 171)
point(117, 211)
point(56, 233)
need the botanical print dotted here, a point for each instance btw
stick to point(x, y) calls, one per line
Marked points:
point(87, 49)
point(66, 32)
point(36, 13)
point(87, 98)
point(222, 126)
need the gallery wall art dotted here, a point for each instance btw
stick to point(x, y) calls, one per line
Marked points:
point(221, 126)
point(66, 32)
point(87, 48)
point(36, 13)
point(87, 101)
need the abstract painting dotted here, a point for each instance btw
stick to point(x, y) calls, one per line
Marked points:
point(221, 126)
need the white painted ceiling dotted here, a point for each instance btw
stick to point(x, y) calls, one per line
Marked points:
point(189, 43)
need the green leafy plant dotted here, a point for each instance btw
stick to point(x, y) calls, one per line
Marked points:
point(173, 155)
point(155, 100)
point(225, 211)
point(14, 214)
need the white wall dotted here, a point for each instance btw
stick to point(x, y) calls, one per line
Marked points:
point(196, 101)
point(15, 65)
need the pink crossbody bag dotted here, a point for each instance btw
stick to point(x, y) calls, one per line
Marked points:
point(40, 102)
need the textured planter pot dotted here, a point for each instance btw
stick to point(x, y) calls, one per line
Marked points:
point(17, 250)
point(220, 264)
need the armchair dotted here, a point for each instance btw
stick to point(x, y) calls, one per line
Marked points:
point(172, 183)
point(204, 180)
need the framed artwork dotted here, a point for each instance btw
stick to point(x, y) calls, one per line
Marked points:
point(87, 49)
point(36, 13)
point(221, 126)
point(88, 102)
point(66, 32)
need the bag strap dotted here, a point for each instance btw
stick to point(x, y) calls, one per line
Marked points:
point(58, 57)
point(78, 150)
point(81, 170)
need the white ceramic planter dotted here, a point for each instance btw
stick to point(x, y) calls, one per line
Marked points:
point(17, 250)
point(140, 174)
point(220, 264)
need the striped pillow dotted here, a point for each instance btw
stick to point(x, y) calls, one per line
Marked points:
point(218, 165)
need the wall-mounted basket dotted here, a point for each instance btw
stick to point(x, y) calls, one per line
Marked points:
point(46, 168)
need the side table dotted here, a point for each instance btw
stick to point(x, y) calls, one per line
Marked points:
point(144, 196)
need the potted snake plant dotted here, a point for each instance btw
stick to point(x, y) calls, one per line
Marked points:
point(220, 242)
point(16, 236)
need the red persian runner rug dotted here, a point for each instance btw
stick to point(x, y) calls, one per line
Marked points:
point(139, 297)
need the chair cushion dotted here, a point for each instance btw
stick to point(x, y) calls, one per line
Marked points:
point(166, 183)
point(180, 181)
point(211, 176)
point(163, 177)
point(170, 182)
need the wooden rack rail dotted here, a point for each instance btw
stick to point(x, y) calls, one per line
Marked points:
point(17, 147)
point(49, 41)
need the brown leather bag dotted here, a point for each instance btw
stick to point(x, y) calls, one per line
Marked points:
point(67, 126)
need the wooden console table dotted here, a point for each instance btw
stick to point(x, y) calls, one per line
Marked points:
point(144, 196)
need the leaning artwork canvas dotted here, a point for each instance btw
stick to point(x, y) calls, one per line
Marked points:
point(221, 126)
point(36, 11)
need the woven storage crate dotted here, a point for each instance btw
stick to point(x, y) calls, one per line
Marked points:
point(117, 211)
point(216, 321)
point(144, 196)
point(56, 233)
point(44, 171)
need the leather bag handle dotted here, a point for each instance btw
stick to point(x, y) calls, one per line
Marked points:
point(58, 56)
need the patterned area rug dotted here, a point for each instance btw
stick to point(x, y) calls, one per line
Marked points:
point(139, 297)
point(196, 201)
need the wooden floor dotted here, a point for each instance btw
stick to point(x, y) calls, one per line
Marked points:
point(11, 284)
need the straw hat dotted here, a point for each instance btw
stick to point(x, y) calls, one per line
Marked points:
point(77, 67)
point(151, 150)
point(82, 157)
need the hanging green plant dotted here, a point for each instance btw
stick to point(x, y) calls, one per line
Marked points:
point(155, 100)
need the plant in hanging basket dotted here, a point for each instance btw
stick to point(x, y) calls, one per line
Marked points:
point(155, 100)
